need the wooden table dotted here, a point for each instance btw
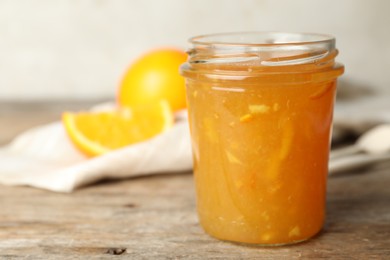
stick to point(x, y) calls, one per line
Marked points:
point(154, 217)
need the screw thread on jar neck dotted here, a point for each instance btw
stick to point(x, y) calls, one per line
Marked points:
point(237, 55)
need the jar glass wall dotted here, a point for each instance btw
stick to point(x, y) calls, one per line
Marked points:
point(260, 109)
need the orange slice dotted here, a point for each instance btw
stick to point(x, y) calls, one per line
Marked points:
point(96, 133)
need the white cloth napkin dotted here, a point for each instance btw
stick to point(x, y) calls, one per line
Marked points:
point(44, 157)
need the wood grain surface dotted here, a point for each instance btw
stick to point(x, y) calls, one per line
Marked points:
point(155, 218)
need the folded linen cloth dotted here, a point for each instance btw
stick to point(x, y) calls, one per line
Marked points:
point(44, 157)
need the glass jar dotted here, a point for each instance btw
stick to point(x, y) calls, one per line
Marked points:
point(260, 108)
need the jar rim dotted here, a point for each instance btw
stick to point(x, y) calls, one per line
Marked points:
point(261, 39)
point(238, 55)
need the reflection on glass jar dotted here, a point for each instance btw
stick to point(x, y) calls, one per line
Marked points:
point(260, 108)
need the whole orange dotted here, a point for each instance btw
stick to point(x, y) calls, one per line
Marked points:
point(153, 77)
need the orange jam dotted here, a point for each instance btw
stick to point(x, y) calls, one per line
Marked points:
point(260, 109)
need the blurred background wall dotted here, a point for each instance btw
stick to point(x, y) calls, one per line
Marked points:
point(69, 49)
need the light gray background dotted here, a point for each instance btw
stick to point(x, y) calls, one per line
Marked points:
point(61, 49)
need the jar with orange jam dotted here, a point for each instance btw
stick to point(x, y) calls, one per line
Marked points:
point(260, 108)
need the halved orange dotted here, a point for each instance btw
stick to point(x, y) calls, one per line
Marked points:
point(96, 133)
